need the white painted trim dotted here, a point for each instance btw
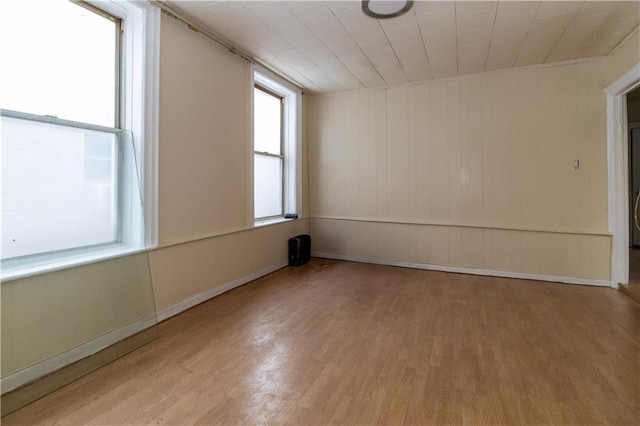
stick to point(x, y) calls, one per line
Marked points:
point(292, 142)
point(151, 125)
point(617, 172)
point(471, 271)
point(40, 369)
point(192, 301)
point(46, 266)
point(206, 236)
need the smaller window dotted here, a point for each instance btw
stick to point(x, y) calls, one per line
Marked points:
point(275, 151)
point(268, 160)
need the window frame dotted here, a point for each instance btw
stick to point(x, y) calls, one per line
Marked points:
point(281, 156)
point(136, 109)
point(290, 134)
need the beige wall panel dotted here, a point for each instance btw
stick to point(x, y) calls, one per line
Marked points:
point(185, 270)
point(527, 133)
point(569, 151)
point(499, 249)
point(493, 150)
point(422, 246)
point(455, 246)
point(363, 175)
point(593, 151)
point(549, 148)
point(352, 243)
point(321, 235)
point(335, 188)
point(570, 247)
point(517, 252)
point(472, 240)
point(422, 152)
point(204, 136)
point(401, 243)
point(398, 151)
point(551, 254)
point(439, 245)
point(473, 200)
point(315, 159)
point(454, 155)
point(350, 153)
point(624, 57)
point(438, 164)
point(48, 314)
point(543, 253)
point(530, 242)
point(495, 109)
point(383, 195)
point(592, 263)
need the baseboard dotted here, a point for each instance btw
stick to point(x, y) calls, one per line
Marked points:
point(192, 301)
point(471, 271)
point(40, 369)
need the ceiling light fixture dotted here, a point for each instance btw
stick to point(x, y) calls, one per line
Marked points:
point(382, 9)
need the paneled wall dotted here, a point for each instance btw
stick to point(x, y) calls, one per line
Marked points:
point(204, 136)
point(206, 234)
point(473, 172)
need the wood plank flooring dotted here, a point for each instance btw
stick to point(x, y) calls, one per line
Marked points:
point(349, 343)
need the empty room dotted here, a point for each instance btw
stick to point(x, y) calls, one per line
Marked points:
point(320, 212)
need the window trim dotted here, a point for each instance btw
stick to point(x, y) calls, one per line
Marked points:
point(137, 110)
point(48, 119)
point(291, 142)
point(281, 156)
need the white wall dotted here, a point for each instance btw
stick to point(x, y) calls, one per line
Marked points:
point(471, 172)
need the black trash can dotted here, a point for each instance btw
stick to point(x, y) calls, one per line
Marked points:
point(299, 250)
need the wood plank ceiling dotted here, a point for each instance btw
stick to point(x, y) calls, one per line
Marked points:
point(329, 46)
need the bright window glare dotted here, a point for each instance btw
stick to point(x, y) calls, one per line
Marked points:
point(267, 186)
point(58, 187)
point(267, 137)
point(41, 41)
point(266, 122)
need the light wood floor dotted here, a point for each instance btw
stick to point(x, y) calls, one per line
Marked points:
point(340, 342)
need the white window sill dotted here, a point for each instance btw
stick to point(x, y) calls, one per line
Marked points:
point(271, 221)
point(30, 266)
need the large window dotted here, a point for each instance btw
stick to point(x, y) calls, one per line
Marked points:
point(68, 128)
point(275, 141)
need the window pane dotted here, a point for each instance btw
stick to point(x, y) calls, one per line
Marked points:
point(267, 186)
point(58, 59)
point(266, 122)
point(58, 187)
